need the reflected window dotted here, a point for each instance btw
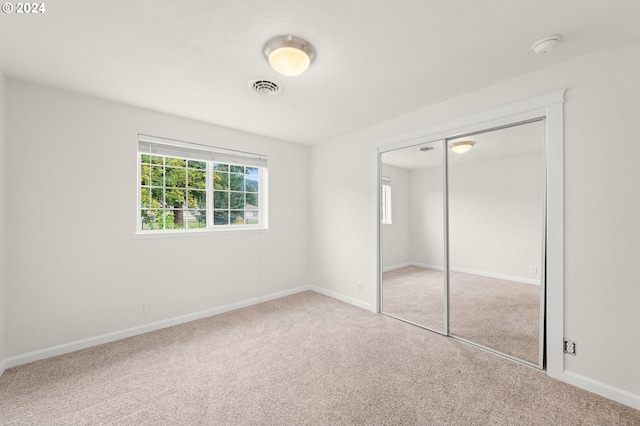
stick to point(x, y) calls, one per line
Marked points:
point(385, 201)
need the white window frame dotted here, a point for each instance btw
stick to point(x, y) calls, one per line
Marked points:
point(155, 146)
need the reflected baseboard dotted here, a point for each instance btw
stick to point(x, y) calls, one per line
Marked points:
point(399, 266)
point(479, 273)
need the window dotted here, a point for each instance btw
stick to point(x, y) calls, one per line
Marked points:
point(236, 195)
point(385, 201)
point(188, 187)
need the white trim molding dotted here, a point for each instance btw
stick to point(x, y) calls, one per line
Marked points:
point(134, 331)
point(523, 110)
point(479, 273)
point(285, 293)
point(398, 266)
point(343, 298)
point(603, 389)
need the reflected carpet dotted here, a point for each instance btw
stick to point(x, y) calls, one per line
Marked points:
point(499, 314)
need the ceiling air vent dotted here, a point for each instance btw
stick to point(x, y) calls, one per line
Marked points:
point(264, 87)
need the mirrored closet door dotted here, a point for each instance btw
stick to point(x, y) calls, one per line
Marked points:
point(412, 236)
point(462, 238)
point(495, 211)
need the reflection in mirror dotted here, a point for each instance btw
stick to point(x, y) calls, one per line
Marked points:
point(412, 235)
point(495, 208)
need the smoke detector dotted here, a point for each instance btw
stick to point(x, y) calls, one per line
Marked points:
point(546, 44)
point(265, 87)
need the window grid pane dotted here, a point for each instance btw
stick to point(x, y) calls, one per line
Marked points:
point(177, 194)
point(236, 195)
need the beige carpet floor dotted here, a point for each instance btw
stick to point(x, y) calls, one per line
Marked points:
point(306, 360)
point(499, 314)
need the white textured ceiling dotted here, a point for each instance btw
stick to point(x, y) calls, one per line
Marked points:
point(377, 59)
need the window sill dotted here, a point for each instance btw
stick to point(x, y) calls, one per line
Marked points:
point(197, 233)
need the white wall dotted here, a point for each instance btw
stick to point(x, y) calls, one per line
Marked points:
point(3, 304)
point(76, 269)
point(602, 181)
point(396, 237)
point(342, 247)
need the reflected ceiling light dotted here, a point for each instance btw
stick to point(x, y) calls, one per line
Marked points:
point(461, 147)
point(289, 55)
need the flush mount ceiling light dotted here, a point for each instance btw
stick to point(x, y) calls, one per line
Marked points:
point(462, 146)
point(546, 44)
point(426, 148)
point(289, 55)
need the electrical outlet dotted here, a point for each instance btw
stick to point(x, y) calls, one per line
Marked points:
point(534, 269)
point(569, 347)
point(144, 307)
point(359, 286)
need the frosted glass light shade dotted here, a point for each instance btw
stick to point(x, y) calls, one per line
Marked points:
point(289, 55)
point(462, 146)
point(289, 61)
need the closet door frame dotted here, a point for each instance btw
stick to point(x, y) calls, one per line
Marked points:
point(549, 107)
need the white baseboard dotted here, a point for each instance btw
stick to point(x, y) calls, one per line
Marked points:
point(394, 267)
point(342, 298)
point(426, 265)
point(284, 293)
point(134, 331)
point(583, 382)
point(602, 389)
point(481, 273)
